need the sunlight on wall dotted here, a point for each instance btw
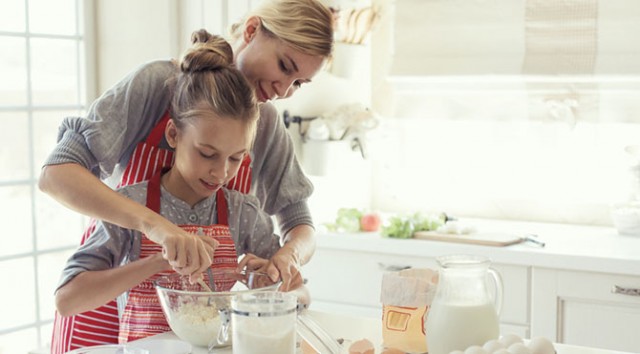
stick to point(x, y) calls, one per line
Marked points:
point(523, 170)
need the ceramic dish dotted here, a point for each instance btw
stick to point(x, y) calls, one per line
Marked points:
point(109, 349)
point(152, 346)
point(159, 346)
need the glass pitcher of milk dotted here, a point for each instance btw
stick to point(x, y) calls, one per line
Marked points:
point(463, 312)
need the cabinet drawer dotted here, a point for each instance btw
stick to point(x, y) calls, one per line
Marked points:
point(592, 312)
point(599, 286)
point(355, 278)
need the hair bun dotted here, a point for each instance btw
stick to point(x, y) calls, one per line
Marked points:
point(209, 52)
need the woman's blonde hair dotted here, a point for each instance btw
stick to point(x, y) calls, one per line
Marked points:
point(306, 25)
point(209, 83)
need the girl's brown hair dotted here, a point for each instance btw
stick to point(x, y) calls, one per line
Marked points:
point(209, 83)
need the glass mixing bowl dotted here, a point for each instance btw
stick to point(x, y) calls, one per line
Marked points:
point(193, 313)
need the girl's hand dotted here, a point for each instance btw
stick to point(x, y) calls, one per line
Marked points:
point(251, 263)
point(283, 265)
point(188, 254)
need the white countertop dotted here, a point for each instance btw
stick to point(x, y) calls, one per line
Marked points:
point(572, 247)
point(355, 328)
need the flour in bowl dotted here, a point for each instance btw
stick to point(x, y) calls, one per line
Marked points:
point(196, 322)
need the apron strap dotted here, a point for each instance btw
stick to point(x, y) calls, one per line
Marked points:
point(155, 137)
point(153, 190)
point(153, 197)
point(221, 202)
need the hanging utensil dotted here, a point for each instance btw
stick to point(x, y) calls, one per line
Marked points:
point(354, 25)
point(363, 25)
point(344, 25)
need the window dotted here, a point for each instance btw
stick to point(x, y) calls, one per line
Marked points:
point(43, 66)
point(490, 109)
point(511, 110)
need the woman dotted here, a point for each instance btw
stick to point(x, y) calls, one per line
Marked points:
point(279, 46)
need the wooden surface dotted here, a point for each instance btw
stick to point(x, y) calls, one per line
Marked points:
point(485, 239)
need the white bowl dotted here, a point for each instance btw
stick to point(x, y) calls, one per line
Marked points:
point(110, 349)
point(626, 218)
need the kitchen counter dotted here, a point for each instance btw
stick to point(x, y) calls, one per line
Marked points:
point(570, 247)
point(582, 288)
point(355, 328)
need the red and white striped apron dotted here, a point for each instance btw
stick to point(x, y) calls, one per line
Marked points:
point(102, 325)
point(143, 314)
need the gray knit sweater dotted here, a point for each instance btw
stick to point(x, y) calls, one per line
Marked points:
point(123, 116)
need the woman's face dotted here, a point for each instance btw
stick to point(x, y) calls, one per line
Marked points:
point(272, 67)
point(208, 153)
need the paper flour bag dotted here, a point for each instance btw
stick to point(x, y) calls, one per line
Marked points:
point(406, 296)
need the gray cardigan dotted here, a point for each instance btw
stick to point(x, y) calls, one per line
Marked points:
point(123, 116)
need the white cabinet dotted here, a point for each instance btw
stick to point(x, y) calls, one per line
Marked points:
point(588, 309)
point(348, 281)
point(563, 291)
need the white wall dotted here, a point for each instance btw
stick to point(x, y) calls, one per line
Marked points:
point(470, 135)
point(129, 33)
point(476, 133)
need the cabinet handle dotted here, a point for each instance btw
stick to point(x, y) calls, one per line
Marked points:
point(392, 267)
point(625, 291)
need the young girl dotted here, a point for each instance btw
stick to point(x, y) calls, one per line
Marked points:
point(214, 114)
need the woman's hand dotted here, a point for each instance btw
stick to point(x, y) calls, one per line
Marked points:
point(187, 253)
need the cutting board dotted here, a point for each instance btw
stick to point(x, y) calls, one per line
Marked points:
point(485, 239)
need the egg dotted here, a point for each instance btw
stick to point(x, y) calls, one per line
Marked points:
point(508, 339)
point(492, 346)
point(457, 352)
point(501, 351)
point(362, 346)
point(518, 348)
point(541, 345)
point(475, 349)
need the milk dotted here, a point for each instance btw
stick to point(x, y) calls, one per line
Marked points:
point(456, 327)
point(263, 335)
point(264, 322)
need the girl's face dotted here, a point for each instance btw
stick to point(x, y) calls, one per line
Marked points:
point(271, 66)
point(208, 153)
